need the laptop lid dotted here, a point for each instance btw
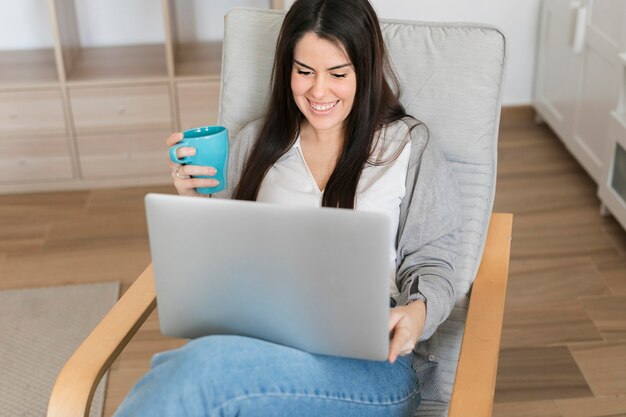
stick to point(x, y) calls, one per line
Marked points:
point(311, 278)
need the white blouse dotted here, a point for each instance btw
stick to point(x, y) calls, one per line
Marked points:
point(380, 188)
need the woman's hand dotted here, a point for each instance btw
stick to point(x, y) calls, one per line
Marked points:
point(406, 325)
point(185, 185)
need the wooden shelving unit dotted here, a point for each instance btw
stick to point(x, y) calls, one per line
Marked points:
point(198, 60)
point(119, 62)
point(78, 116)
point(28, 68)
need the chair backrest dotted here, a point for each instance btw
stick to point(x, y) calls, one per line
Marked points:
point(451, 77)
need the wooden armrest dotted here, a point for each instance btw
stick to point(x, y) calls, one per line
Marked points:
point(478, 361)
point(77, 382)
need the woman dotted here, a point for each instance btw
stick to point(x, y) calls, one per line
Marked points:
point(334, 135)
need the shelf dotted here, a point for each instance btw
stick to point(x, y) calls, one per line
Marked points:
point(27, 57)
point(200, 59)
point(195, 33)
point(118, 62)
point(134, 50)
point(28, 67)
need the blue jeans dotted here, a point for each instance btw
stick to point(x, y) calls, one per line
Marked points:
point(239, 376)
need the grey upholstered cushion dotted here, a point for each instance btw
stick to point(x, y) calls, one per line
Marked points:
point(451, 77)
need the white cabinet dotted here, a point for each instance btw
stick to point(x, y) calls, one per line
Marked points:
point(558, 64)
point(579, 82)
point(600, 82)
point(612, 189)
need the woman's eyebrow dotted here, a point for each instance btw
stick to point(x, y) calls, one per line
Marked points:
point(329, 69)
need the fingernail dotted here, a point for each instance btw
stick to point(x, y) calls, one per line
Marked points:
point(216, 182)
point(212, 171)
point(180, 136)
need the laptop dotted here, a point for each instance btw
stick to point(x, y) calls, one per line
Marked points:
point(315, 279)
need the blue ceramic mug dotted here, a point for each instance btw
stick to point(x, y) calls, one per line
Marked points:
point(211, 144)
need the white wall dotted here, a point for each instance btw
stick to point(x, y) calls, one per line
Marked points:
point(518, 19)
point(25, 24)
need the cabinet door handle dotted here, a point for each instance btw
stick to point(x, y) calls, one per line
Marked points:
point(579, 30)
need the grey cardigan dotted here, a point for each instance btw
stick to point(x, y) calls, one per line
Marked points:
point(430, 215)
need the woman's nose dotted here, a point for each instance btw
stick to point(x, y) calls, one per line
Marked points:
point(319, 87)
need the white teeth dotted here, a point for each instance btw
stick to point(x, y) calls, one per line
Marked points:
point(323, 107)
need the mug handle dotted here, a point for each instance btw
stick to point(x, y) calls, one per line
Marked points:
point(174, 158)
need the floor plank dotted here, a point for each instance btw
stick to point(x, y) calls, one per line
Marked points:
point(122, 201)
point(42, 207)
point(547, 325)
point(604, 367)
point(95, 231)
point(613, 271)
point(532, 374)
point(609, 315)
point(122, 261)
point(526, 409)
point(606, 406)
point(616, 234)
point(547, 281)
point(22, 236)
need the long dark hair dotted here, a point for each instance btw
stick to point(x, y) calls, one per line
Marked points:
point(353, 25)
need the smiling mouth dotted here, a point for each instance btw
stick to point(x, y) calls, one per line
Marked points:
point(323, 108)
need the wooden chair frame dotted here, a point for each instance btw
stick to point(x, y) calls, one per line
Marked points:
point(476, 372)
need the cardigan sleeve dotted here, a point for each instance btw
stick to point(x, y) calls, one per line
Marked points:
point(428, 233)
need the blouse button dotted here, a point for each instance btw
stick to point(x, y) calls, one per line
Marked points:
point(431, 358)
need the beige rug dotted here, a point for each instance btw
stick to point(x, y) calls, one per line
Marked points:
point(39, 330)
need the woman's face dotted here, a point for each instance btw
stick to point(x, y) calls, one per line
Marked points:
point(323, 82)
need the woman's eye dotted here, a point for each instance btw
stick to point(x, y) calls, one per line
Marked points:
point(304, 72)
point(339, 75)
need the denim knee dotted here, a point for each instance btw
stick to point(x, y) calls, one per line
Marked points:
point(233, 375)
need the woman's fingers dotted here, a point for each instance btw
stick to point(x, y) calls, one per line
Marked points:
point(195, 170)
point(185, 151)
point(202, 182)
point(174, 138)
point(394, 318)
point(186, 184)
point(406, 324)
point(401, 343)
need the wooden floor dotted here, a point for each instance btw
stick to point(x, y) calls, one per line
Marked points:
point(564, 338)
